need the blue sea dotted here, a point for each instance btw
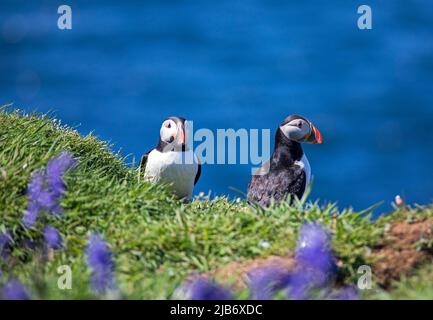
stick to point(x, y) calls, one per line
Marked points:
point(126, 65)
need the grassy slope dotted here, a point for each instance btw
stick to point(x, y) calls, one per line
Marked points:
point(157, 241)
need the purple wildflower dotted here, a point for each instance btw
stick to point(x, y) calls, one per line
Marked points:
point(203, 289)
point(34, 192)
point(300, 285)
point(56, 168)
point(52, 237)
point(315, 262)
point(100, 261)
point(39, 198)
point(46, 187)
point(5, 244)
point(31, 214)
point(265, 282)
point(313, 253)
point(14, 290)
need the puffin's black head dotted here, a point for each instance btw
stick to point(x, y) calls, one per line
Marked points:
point(299, 129)
point(172, 135)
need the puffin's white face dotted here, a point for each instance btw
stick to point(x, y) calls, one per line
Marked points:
point(296, 129)
point(301, 130)
point(172, 133)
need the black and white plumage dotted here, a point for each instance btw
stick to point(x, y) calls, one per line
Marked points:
point(172, 161)
point(288, 172)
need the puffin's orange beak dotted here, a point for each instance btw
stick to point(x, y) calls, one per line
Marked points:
point(182, 136)
point(315, 136)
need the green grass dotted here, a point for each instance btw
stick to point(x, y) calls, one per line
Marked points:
point(156, 240)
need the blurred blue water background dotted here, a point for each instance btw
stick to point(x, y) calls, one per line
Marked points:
point(126, 65)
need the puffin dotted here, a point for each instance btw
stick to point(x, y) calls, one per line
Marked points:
point(288, 172)
point(172, 161)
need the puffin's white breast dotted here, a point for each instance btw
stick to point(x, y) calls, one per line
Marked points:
point(305, 165)
point(174, 167)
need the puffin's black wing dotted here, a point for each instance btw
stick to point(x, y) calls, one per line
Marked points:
point(143, 162)
point(197, 176)
point(277, 184)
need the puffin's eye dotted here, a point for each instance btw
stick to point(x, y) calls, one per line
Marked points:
point(300, 124)
point(168, 125)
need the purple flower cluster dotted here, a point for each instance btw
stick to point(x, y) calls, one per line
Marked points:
point(313, 252)
point(38, 198)
point(56, 168)
point(100, 261)
point(52, 238)
point(315, 270)
point(14, 290)
point(44, 192)
point(46, 187)
point(315, 261)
